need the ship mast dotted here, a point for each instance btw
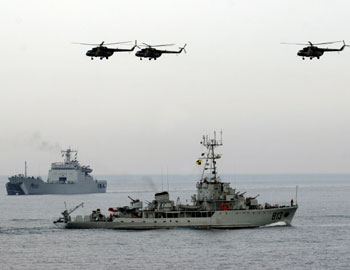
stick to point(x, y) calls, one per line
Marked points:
point(210, 158)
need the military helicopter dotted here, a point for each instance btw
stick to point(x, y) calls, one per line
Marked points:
point(312, 51)
point(105, 52)
point(151, 52)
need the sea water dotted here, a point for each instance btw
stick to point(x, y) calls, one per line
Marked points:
point(319, 237)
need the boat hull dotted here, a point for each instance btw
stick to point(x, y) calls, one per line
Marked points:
point(34, 186)
point(231, 219)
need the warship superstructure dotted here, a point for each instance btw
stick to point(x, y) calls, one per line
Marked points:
point(216, 205)
point(67, 177)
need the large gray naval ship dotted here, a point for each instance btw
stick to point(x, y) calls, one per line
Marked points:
point(67, 177)
point(216, 205)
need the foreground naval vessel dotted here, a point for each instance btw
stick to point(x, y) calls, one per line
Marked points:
point(67, 177)
point(216, 205)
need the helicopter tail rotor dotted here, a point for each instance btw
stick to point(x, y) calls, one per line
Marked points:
point(183, 48)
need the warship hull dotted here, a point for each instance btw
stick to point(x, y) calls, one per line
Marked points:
point(231, 219)
point(34, 186)
point(68, 177)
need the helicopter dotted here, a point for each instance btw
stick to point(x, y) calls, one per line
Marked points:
point(312, 51)
point(105, 52)
point(151, 52)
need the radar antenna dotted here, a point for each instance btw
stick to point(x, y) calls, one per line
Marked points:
point(67, 154)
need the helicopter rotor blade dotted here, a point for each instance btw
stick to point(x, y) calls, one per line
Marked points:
point(303, 44)
point(122, 42)
point(331, 42)
point(161, 45)
point(101, 44)
point(90, 44)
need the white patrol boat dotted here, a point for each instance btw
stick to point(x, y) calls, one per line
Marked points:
point(67, 177)
point(216, 205)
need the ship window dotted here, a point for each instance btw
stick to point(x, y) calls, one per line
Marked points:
point(155, 222)
point(188, 220)
point(144, 221)
point(132, 221)
point(176, 221)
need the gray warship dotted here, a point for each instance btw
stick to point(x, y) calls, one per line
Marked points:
point(67, 177)
point(215, 206)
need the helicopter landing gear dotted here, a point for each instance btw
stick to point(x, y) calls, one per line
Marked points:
point(310, 58)
point(92, 58)
point(101, 58)
point(141, 58)
point(155, 58)
point(303, 58)
point(318, 57)
point(150, 59)
point(106, 57)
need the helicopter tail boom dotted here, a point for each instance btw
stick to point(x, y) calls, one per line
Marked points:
point(336, 50)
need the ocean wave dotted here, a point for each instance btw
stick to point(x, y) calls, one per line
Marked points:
point(26, 230)
point(276, 224)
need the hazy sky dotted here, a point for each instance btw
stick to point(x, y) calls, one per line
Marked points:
point(278, 113)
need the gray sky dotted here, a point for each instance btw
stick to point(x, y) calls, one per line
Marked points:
point(278, 113)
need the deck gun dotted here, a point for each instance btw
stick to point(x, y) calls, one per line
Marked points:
point(241, 193)
point(132, 199)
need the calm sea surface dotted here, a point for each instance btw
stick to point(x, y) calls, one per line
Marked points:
point(319, 237)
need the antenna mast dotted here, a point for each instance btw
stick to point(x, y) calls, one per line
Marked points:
point(210, 158)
